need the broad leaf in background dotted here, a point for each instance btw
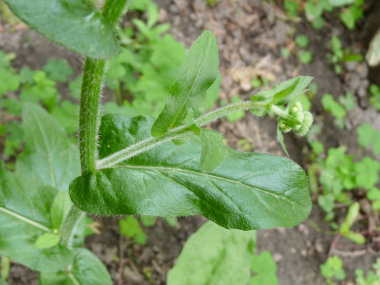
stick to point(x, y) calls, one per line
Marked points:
point(214, 255)
point(86, 269)
point(188, 93)
point(24, 217)
point(213, 150)
point(73, 24)
point(264, 268)
point(284, 91)
point(246, 191)
point(49, 154)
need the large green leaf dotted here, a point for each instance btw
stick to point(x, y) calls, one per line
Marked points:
point(48, 154)
point(25, 216)
point(214, 255)
point(86, 269)
point(246, 191)
point(188, 93)
point(74, 24)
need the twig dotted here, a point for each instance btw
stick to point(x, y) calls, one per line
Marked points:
point(333, 245)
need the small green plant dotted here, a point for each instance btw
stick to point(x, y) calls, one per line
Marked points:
point(305, 56)
point(341, 55)
point(130, 227)
point(344, 230)
point(369, 137)
point(339, 172)
point(349, 15)
point(264, 269)
point(291, 8)
point(333, 270)
point(372, 277)
point(314, 11)
point(302, 41)
point(336, 109)
point(375, 96)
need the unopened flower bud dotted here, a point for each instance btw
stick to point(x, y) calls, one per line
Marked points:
point(306, 124)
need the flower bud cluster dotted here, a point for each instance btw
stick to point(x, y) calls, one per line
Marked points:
point(296, 119)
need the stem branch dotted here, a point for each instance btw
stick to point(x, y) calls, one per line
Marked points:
point(175, 133)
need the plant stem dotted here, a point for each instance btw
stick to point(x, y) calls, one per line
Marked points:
point(93, 73)
point(88, 114)
point(175, 133)
point(72, 220)
point(278, 111)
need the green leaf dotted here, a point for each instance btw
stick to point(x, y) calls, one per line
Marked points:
point(130, 227)
point(48, 155)
point(368, 136)
point(247, 191)
point(46, 240)
point(188, 93)
point(329, 104)
point(305, 56)
point(73, 24)
point(333, 268)
point(286, 90)
point(58, 70)
point(367, 172)
point(339, 3)
point(85, 269)
point(59, 209)
point(265, 269)
point(214, 255)
point(148, 221)
point(213, 150)
point(302, 41)
point(24, 216)
point(353, 57)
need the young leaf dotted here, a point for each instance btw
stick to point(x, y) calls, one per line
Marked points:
point(265, 269)
point(368, 136)
point(214, 255)
point(46, 240)
point(86, 269)
point(284, 91)
point(59, 209)
point(213, 149)
point(73, 24)
point(188, 93)
point(58, 70)
point(24, 216)
point(247, 191)
point(49, 154)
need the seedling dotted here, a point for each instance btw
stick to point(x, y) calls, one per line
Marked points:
point(341, 55)
point(170, 166)
point(375, 98)
point(337, 110)
point(332, 270)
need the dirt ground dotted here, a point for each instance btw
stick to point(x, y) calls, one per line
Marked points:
point(250, 35)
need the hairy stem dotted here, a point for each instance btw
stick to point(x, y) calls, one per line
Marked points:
point(88, 114)
point(175, 133)
point(93, 73)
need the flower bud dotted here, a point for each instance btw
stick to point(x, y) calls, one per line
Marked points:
point(306, 124)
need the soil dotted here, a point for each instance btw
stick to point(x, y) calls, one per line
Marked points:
point(250, 35)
